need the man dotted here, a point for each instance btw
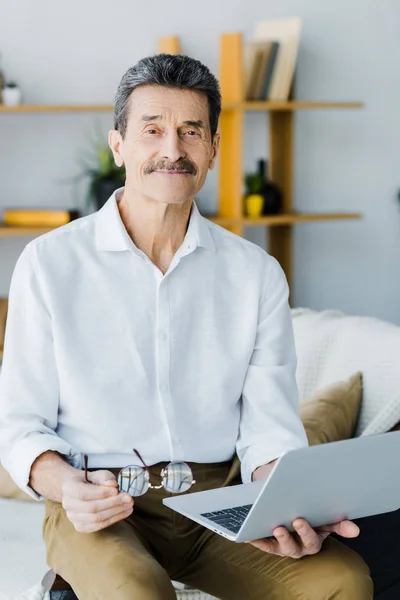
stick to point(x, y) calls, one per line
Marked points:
point(145, 326)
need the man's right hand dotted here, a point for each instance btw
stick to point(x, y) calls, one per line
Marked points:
point(96, 505)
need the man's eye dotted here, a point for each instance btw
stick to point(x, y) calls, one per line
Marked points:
point(192, 133)
point(151, 131)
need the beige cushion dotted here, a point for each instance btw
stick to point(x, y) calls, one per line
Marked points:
point(8, 489)
point(331, 414)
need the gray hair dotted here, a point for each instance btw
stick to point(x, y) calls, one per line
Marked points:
point(170, 70)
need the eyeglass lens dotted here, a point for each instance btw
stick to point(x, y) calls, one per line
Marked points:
point(134, 480)
point(177, 477)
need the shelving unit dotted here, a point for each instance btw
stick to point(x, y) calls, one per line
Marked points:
point(281, 153)
point(230, 179)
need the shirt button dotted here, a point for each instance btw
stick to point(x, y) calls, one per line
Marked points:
point(163, 387)
point(162, 336)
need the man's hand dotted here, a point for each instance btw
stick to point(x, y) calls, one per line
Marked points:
point(95, 505)
point(305, 540)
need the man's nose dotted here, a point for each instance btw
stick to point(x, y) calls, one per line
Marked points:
point(173, 148)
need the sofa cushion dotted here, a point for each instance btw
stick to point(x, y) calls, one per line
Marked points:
point(331, 414)
point(8, 489)
point(331, 346)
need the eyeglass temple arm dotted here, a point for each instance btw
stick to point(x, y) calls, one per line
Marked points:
point(85, 462)
point(141, 459)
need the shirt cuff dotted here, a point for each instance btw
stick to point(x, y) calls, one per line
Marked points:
point(24, 453)
point(257, 456)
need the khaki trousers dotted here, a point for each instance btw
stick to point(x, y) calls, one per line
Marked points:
point(136, 559)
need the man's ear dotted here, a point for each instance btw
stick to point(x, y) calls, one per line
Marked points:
point(215, 150)
point(115, 143)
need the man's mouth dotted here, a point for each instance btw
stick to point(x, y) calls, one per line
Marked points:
point(172, 172)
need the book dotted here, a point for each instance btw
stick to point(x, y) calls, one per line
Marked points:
point(265, 56)
point(252, 59)
point(269, 71)
point(287, 33)
point(25, 217)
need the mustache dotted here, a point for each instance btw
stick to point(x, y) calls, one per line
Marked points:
point(182, 165)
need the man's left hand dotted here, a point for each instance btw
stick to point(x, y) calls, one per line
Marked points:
point(305, 540)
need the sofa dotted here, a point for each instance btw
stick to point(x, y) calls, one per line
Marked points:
point(331, 346)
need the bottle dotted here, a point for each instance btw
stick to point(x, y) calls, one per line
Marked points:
point(270, 192)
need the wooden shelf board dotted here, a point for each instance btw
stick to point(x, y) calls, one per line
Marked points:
point(250, 105)
point(288, 219)
point(298, 105)
point(224, 221)
point(25, 108)
point(23, 231)
point(282, 219)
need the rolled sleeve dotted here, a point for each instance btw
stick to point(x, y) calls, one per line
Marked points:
point(29, 389)
point(270, 424)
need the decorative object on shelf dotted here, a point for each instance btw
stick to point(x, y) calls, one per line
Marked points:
point(253, 200)
point(105, 177)
point(11, 94)
point(270, 192)
point(36, 217)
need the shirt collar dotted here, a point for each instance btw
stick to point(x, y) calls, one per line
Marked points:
point(111, 234)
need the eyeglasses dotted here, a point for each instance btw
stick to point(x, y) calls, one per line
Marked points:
point(177, 477)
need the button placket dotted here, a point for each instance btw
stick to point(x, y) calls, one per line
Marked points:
point(163, 366)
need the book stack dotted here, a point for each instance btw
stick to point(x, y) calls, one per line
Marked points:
point(270, 59)
point(25, 217)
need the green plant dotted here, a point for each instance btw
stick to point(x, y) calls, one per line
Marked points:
point(254, 183)
point(105, 169)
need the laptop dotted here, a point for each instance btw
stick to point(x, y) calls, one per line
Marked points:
point(323, 484)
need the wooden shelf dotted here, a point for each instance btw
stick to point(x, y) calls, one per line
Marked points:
point(293, 218)
point(42, 108)
point(8, 231)
point(247, 106)
point(298, 105)
point(224, 222)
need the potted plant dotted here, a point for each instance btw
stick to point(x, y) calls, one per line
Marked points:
point(253, 200)
point(11, 94)
point(104, 177)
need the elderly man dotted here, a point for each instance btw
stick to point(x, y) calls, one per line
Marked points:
point(145, 335)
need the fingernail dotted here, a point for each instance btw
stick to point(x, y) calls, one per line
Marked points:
point(127, 499)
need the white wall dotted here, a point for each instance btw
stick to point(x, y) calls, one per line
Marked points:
point(345, 160)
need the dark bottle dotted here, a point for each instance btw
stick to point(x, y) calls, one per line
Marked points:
point(269, 191)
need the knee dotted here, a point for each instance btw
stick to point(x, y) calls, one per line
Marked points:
point(353, 582)
point(149, 582)
point(346, 579)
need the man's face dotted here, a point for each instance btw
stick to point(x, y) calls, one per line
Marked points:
point(167, 149)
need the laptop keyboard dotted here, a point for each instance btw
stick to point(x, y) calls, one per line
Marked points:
point(230, 518)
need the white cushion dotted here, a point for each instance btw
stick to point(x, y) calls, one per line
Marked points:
point(331, 346)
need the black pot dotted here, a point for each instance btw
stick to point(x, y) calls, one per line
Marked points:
point(272, 199)
point(270, 192)
point(103, 189)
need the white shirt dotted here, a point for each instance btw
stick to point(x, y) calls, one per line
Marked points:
point(103, 353)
